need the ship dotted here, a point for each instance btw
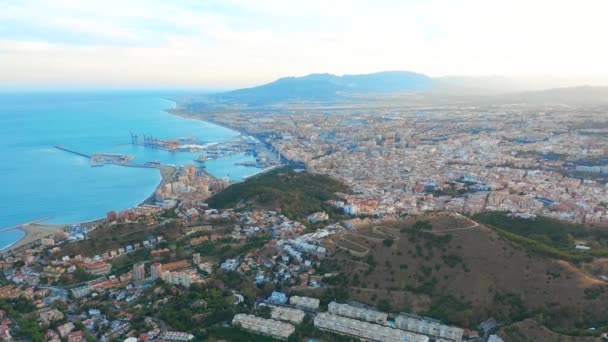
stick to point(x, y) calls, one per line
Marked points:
point(201, 159)
point(154, 163)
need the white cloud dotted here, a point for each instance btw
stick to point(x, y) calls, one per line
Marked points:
point(241, 42)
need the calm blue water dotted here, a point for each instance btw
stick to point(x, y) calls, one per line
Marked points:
point(37, 180)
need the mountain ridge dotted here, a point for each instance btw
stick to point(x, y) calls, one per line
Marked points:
point(325, 87)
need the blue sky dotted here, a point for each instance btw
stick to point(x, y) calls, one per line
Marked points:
point(233, 43)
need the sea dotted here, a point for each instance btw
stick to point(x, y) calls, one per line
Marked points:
point(39, 181)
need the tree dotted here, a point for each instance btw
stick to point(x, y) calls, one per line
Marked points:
point(264, 311)
point(384, 305)
point(29, 329)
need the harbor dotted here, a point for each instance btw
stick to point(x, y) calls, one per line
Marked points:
point(44, 180)
point(100, 159)
point(265, 157)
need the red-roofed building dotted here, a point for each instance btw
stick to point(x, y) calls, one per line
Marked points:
point(97, 268)
point(76, 336)
point(5, 334)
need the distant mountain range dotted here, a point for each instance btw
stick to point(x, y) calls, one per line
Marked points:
point(326, 88)
point(402, 86)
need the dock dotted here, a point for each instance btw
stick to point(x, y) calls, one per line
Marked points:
point(98, 159)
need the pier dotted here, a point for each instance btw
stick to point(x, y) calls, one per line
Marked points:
point(63, 148)
point(19, 226)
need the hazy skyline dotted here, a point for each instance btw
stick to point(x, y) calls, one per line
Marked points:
point(234, 43)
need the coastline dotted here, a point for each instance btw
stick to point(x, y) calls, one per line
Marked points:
point(167, 175)
point(33, 232)
point(175, 111)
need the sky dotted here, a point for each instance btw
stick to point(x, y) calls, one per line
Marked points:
point(220, 44)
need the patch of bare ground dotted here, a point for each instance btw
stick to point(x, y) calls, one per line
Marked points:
point(451, 267)
point(529, 330)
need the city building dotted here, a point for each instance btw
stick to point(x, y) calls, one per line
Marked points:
point(76, 336)
point(286, 314)
point(49, 315)
point(317, 217)
point(278, 297)
point(263, 326)
point(206, 267)
point(495, 338)
point(81, 291)
point(156, 270)
point(176, 336)
point(196, 258)
point(428, 326)
point(364, 330)
point(97, 268)
point(139, 272)
point(306, 303)
point(357, 313)
point(184, 277)
point(65, 329)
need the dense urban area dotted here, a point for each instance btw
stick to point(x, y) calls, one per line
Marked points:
point(425, 223)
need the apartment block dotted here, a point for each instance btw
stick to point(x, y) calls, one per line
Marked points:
point(357, 313)
point(263, 326)
point(428, 326)
point(364, 330)
point(306, 303)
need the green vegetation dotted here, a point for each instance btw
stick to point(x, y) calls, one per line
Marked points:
point(225, 248)
point(548, 237)
point(297, 194)
point(180, 314)
point(450, 309)
point(236, 335)
point(18, 309)
point(29, 330)
point(384, 305)
point(125, 263)
point(509, 307)
point(120, 235)
point(451, 260)
point(450, 191)
point(79, 276)
point(594, 292)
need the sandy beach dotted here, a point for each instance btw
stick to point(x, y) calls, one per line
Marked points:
point(34, 232)
point(167, 174)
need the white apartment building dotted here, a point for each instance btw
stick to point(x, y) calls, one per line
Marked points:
point(306, 303)
point(281, 313)
point(264, 326)
point(357, 313)
point(363, 330)
point(428, 326)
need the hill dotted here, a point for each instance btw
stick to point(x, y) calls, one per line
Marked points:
point(325, 88)
point(529, 330)
point(572, 96)
point(452, 268)
point(297, 194)
point(551, 237)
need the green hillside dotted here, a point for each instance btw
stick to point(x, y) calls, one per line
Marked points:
point(297, 194)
